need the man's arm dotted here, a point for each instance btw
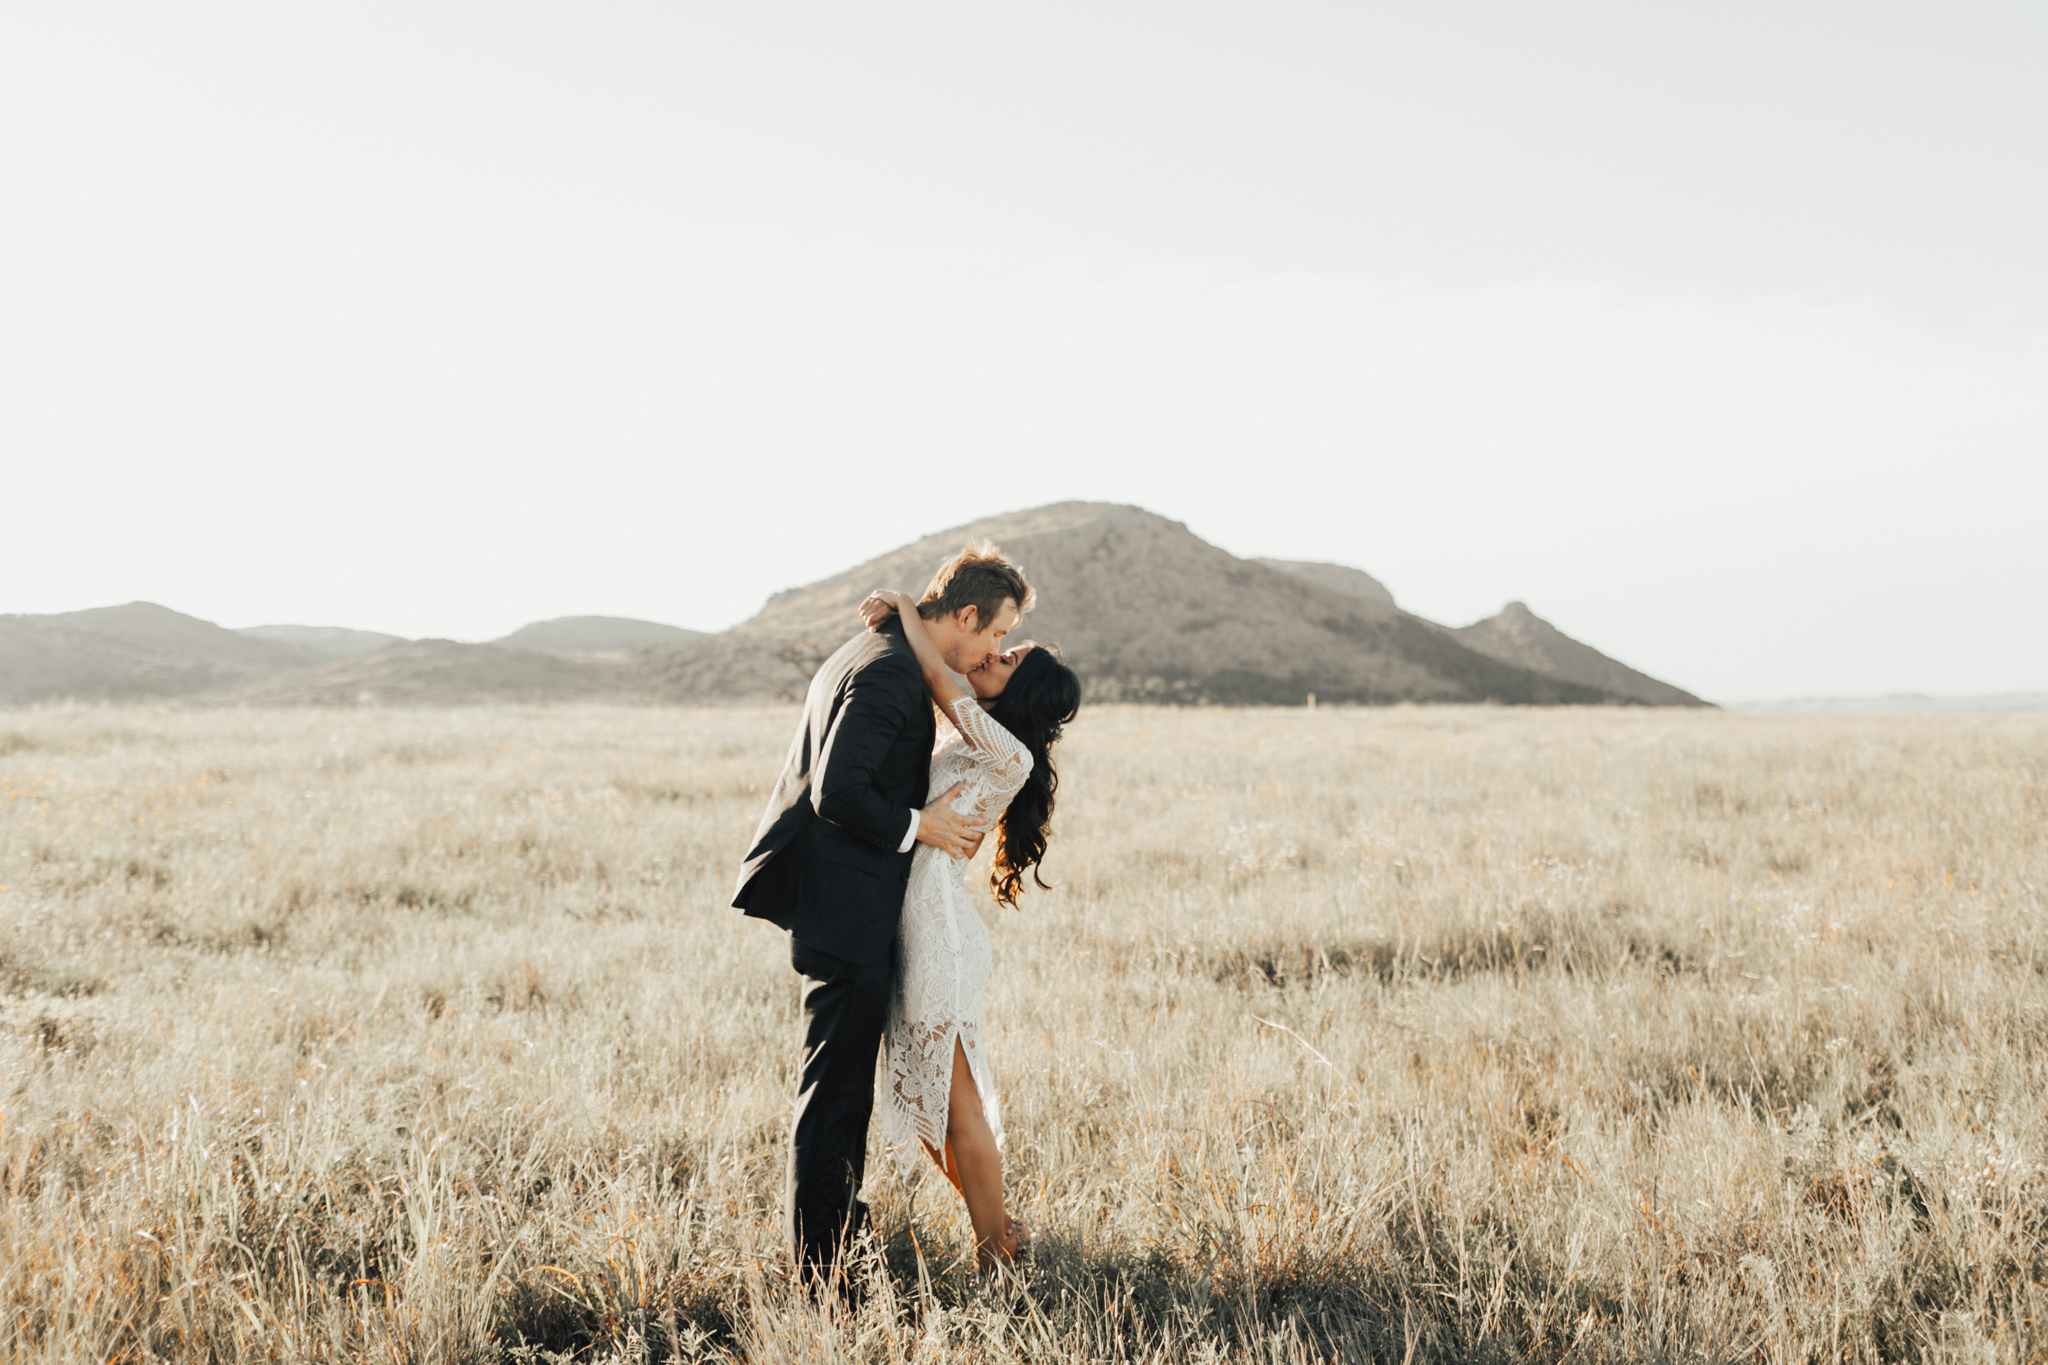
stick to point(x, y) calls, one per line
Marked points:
point(877, 708)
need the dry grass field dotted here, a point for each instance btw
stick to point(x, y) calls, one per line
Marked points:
point(1396, 1034)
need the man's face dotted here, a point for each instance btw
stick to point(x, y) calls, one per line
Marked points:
point(978, 641)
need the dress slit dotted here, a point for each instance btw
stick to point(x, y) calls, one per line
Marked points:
point(929, 1122)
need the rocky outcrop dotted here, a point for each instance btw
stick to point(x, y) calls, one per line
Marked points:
point(1518, 636)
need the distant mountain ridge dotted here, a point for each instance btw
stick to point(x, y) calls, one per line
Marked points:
point(440, 673)
point(326, 639)
point(595, 635)
point(1903, 703)
point(136, 652)
point(1145, 610)
point(146, 625)
point(146, 652)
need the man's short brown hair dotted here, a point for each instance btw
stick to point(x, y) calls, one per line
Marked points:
point(977, 577)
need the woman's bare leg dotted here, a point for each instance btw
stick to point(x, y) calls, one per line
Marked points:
point(944, 1161)
point(1016, 1235)
point(976, 1167)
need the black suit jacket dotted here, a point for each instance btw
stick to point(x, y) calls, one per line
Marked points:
point(824, 864)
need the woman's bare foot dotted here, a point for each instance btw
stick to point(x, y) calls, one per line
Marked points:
point(1017, 1237)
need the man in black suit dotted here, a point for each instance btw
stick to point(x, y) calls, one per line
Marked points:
point(829, 862)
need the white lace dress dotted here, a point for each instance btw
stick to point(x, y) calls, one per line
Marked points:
point(942, 949)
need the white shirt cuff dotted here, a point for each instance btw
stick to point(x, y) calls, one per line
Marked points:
point(911, 837)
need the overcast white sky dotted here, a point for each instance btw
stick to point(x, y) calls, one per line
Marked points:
point(1717, 333)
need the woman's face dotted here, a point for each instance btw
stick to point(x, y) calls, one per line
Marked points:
point(991, 678)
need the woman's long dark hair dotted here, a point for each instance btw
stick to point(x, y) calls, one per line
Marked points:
point(1043, 695)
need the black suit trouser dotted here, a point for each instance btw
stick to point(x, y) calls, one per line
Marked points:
point(846, 1006)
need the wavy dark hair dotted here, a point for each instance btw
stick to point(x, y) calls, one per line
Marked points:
point(1042, 697)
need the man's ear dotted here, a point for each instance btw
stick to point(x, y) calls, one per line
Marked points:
point(968, 618)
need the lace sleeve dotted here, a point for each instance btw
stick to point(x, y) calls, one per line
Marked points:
point(1001, 754)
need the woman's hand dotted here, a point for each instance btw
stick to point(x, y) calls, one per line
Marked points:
point(939, 680)
point(882, 604)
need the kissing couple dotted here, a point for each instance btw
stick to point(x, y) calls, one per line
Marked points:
point(867, 872)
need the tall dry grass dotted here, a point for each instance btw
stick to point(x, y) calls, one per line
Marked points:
point(1440, 1034)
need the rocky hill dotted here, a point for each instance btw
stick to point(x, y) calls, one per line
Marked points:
point(1147, 610)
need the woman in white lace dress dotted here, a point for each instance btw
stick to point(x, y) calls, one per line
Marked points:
point(1005, 717)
